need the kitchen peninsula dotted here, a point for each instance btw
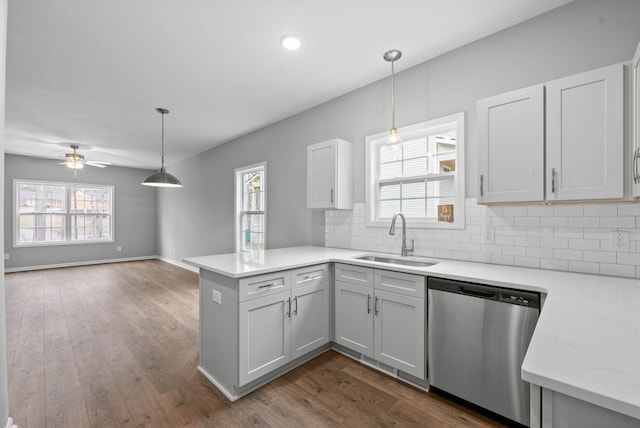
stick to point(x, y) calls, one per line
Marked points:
point(585, 351)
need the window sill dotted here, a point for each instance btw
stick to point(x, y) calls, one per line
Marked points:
point(418, 224)
point(63, 243)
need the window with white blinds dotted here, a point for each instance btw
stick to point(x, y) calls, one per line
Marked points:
point(418, 175)
point(251, 207)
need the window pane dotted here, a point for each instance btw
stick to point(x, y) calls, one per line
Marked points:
point(391, 191)
point(41, 198)
point(441, 188)
point(253, 231)
point(90, 227)
point(85, 199)
point(390, 153)
point(413, 208)
point(413, 190)
point(41, 228)
point(413, 167)
point(415, 148)
point(390, 170)
point(389, 208)
point(253, 191)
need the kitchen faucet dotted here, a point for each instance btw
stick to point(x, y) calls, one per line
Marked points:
point(405, 250)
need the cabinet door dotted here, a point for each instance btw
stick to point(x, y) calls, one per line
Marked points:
point(264, 335)
point(399, 328)
point(511, 147)
point(309, 318)
point(321, 175)
point(585, 129)
point(635, 168)
point(354, 317)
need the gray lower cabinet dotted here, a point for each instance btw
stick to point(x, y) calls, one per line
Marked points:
point(381, 315)
point(265, 335)
point(560, 410)
point(253, 329)
point(278, 328)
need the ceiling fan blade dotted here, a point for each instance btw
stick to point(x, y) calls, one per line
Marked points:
point(99, 164)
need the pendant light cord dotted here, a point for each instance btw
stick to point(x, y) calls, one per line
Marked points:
point(393, 97)
point(162, 111)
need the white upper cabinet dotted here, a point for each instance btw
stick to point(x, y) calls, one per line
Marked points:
point(579, 157)
point(585, 136)
point(511, 147)
point(635, 169)
point(330, 175)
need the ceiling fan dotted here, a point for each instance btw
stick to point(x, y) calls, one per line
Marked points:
point(76, 161)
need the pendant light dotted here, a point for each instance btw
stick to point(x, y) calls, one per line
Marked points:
point(162, 178)
point(392, 56)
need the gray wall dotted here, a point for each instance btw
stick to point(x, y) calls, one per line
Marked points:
point(198, 219)
point(135, 217)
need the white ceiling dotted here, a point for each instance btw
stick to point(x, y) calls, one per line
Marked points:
point(92, 72)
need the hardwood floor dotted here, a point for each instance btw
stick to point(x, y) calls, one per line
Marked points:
point(117, 345)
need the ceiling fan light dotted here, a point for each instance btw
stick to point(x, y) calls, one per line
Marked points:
point(161, 179)
point(73, 164)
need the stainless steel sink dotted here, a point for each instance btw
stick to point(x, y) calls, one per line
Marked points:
point(395, 261)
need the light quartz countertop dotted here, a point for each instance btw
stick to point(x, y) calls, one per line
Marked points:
point(587, 340)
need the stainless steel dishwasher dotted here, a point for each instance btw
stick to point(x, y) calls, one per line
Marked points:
point(477, 339)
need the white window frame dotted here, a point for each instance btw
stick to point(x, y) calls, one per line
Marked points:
point(429, 127)
point(68, 214)
point(239, 172)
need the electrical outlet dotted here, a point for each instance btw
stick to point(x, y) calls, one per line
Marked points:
point(118, 248)
point(7, 256)
point(619, 241)
point(487, 234)
point(216, 296)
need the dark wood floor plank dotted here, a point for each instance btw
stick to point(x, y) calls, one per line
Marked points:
point(116, 345)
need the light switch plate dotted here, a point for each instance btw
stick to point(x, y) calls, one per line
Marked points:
point(216, 296)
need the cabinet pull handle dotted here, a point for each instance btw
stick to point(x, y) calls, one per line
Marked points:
point(636, 175)
point(295, 311)
point(377, 311)
point(289, 307)
point(481, 185)
point(331, 195)
point(267, 285)
point(553, 180)
point(368, 303)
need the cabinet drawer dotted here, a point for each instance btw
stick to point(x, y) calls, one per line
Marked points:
point(309, 275)
point(398, 282)
point(263, 285)
point(357, 275)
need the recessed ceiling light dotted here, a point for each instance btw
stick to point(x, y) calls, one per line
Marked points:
point(290, 42)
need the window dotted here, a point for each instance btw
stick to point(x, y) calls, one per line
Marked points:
point(251, 185)
point(421, 177)
point(62, 213)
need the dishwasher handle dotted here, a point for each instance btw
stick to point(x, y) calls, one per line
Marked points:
point(478, 293)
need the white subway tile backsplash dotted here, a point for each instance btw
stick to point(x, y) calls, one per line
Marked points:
point(559, 253)
point(601, 210)
point(625, 222)
point(568, 210)
point(584, 267)
point(571, 237)
point(584, 244)
point(554, 264)
point(514, 211)
point(617, 270)
point(584, 221)
point(554, 242)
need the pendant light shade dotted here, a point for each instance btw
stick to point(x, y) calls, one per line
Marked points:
point(162, 178)
point(392, 56)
